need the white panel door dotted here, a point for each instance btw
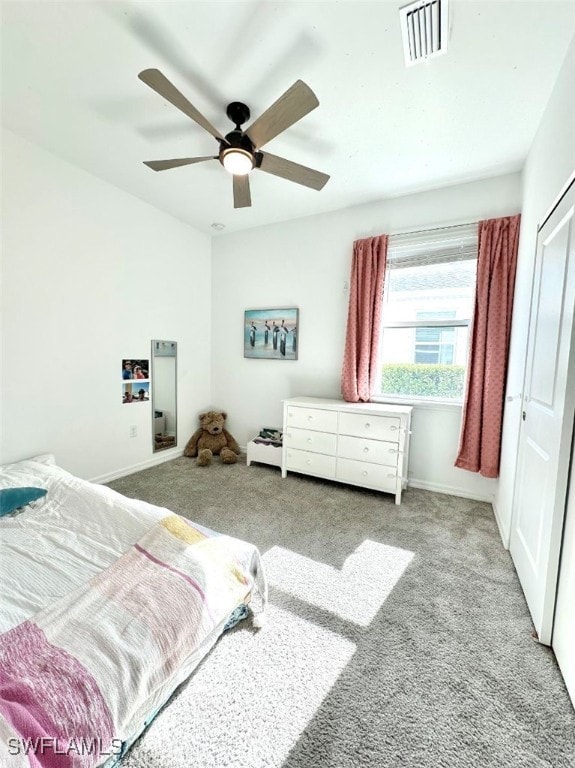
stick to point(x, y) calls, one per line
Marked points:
point(548, 408)
point(564, 625)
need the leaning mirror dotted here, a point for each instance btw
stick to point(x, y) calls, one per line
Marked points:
point(164, 394)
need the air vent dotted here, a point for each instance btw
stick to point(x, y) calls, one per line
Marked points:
point(424, 28)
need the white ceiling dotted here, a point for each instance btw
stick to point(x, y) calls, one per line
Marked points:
point(69, 77)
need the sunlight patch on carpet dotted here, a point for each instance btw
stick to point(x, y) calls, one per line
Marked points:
point(354, 593)
point(250, 700)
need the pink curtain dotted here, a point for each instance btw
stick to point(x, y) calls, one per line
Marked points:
point(480, 442)
point(364, 318)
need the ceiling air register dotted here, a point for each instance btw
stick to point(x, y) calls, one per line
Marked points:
point(424, 29)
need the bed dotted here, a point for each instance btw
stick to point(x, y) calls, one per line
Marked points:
point(107, 605)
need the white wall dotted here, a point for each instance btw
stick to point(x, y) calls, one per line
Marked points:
point(90, 276)
point(550, 163)
point(306, 263)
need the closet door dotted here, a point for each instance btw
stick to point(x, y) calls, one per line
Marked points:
point(548, 410)
point(564, 626)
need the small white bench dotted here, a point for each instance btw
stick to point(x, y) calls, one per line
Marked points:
point(265, 454)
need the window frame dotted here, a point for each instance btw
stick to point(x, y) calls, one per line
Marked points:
point(454, 322)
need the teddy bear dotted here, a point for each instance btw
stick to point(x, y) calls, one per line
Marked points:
point(212, 439)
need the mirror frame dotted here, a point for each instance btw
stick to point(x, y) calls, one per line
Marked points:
point(153, 356)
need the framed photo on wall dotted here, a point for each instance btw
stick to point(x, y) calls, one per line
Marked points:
point(271, 334)
point(135, 369)
point(136, 392)
point(135, 380)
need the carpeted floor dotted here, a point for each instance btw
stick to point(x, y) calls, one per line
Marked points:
point(396, 635)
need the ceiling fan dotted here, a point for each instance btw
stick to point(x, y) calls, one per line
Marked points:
point(240, 150)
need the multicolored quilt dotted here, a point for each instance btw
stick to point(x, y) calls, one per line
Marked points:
point(76, 677)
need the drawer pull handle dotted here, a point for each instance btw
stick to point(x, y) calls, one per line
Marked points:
point(309, 418)
point(391, 474)
point(393, 450)
point(393, 428)
point(309, 440)
point(308, 461)
point(366, 449)
point(364, 473)
point(367, 425)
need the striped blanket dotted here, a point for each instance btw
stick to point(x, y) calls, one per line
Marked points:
point(77, 678)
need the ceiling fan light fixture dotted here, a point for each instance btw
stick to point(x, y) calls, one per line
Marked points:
point(239, 150)
point(238, 162)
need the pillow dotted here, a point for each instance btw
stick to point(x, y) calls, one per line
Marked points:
point(12, 499)
point(45, 458)
point(36, 472)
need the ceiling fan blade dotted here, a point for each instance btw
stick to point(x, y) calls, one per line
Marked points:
point(295, 103)
point(279, 166)
point(161, 84)
point(242, 197)
point(165, 165)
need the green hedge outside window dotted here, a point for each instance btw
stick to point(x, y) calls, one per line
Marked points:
point(423, 380)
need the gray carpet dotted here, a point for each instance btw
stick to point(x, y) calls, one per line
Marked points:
point(396, 635)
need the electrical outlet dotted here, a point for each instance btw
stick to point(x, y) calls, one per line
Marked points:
point(133, 431)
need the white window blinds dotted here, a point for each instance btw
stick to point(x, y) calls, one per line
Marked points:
point(433, 246)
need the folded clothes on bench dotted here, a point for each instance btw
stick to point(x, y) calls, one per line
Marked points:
point(267, 441)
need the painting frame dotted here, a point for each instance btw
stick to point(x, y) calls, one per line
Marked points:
point(271, 334)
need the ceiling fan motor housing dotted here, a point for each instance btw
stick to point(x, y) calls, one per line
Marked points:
point(237, 140)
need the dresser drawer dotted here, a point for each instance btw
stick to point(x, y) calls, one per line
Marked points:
point(312, 418)
point(307, 440)
point(362, 444)
point(369, 475)
point(370, 426)
point(373, 451)
point(312, 463)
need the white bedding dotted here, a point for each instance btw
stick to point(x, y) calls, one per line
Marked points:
point(58, 544)
point(66, 538)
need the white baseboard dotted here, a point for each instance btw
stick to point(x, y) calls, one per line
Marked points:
point(412, 482)
point(155, 460)
point(505, 535)
point(448, 489)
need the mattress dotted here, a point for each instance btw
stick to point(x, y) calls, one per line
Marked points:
point(65, 539)
point(61, 558)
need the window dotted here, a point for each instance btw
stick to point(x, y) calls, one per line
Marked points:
point(434, 345)
point(427, 309)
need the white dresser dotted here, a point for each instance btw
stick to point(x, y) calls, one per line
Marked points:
point(364, 444)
